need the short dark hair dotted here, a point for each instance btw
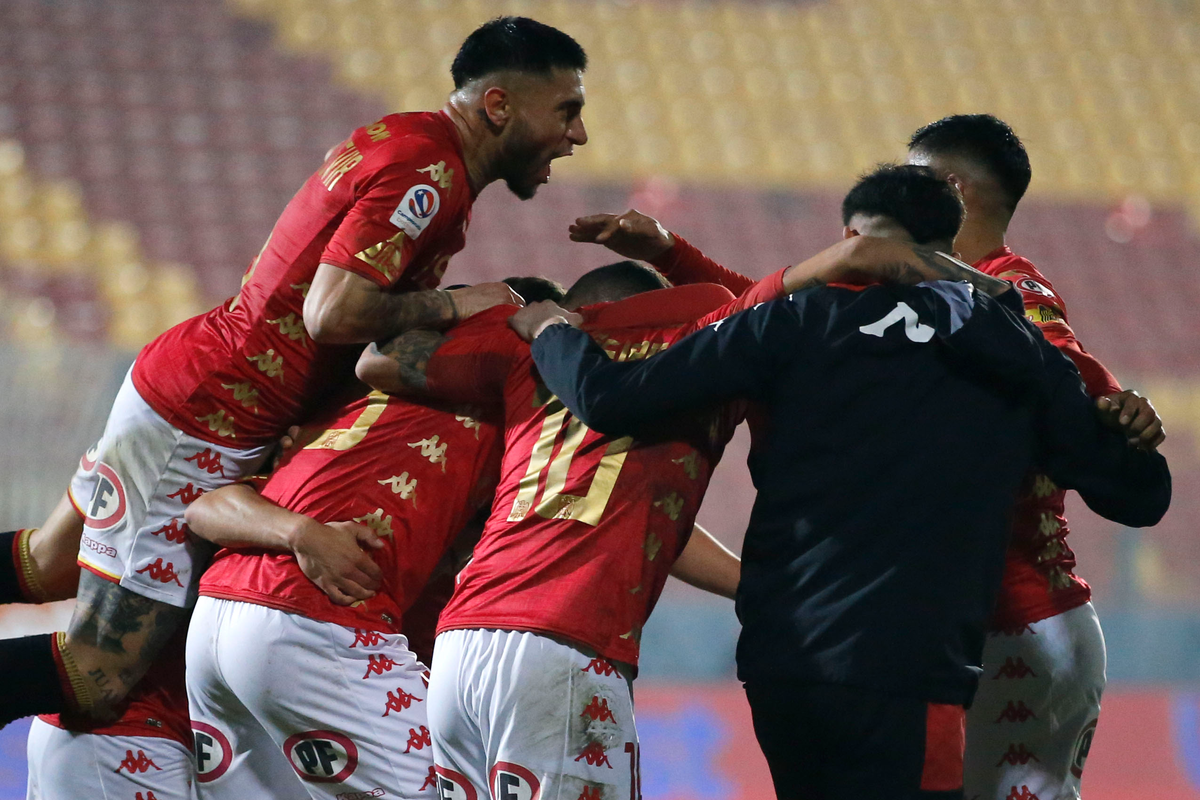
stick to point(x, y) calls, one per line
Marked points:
point(613, 282)
point(987, 141)
point(515, 43)
point(537, 288)
point(926, 206)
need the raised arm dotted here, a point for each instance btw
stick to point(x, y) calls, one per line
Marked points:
point(330, 555)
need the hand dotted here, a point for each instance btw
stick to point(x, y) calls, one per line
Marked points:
point(1133, 415)
point(481, 297)
point(632, 234)
point(332, 556)
point(286, 443)
point(532, 320)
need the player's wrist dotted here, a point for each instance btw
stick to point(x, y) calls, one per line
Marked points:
point(555, 320)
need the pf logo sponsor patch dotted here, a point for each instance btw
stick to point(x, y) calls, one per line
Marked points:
point(321, 756)
point(513, 782)
point(1082, 746)
point(107, 506)
point(453, 785)
point(416, 210)
point(213, 753)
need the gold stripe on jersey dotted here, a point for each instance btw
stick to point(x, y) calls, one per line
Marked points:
point(377, 521)
point(244, 393)
point(527, 488)
point(219, 424)
point(345, 438)
point(346, 161)
point(590, 509)
point(387, 257)
point(268, 363)
point(439, 174)
point(292, 328)
point(403, 486)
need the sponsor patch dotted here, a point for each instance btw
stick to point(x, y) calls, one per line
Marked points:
point(1030, 285)
point(213, 753)
point(453, 785)
point(1082, 746)
point(107, 506)
point(416, 210)
point(321, 756)
point(513, 782)
point(1039, 314)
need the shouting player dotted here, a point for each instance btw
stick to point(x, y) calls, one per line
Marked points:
point(531, 691)
point(1033, 720)
point(862, 601)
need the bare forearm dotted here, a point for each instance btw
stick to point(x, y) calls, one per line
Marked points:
point(365, 314)
point(398, 366)
point(53, 551)
point(708, 565)
point(237, 516)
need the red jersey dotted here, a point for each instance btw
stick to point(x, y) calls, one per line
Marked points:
point(157, 706)
point(584, 528)
point(1039, 579)
point(391, 204)
point(415, 474)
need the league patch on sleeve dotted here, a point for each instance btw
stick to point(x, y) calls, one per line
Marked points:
point(1040, 314)
point(1030, 285)
point(416, 210)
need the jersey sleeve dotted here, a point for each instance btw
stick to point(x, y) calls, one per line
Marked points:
point(397, 203)
point(473, 363)
point(684, 263)
point(1045, 307)
point(734, 357)
point(769, 288)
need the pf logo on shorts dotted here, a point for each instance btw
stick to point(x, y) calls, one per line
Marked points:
point(321, 756)
point(513, 782)
point(453, 785)
point(107, 506)
point(1082, 745)
point(213, 753)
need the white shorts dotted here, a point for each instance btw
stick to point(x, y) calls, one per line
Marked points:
point(1030, 729)
point(518, 716)
point(83, 482)
point(73, 766)
point(286, 707)
point(144, 472)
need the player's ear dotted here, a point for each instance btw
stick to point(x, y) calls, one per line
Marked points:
point(957, 182)
point(848, 232)
point(497, 105)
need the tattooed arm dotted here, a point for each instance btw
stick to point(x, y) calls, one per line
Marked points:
point(113, 638)
point(344, 308)
point(399, 365)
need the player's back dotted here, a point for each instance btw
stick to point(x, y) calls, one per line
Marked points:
point(584, 528)
point(413, 473)
point(248, 368)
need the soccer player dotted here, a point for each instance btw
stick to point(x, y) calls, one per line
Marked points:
point(530, 692)
point(876, 542)
point(1030, 728)
point(266, 645)
point(355, 257)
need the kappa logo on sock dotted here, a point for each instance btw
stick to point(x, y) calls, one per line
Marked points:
point(321, 756)
point(513, 782)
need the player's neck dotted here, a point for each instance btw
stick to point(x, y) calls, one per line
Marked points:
point(979, 237)
point(478, 143)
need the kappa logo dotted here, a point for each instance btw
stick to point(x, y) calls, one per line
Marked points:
point(1016, 712)
point(137, 764)
point(209, 461)
point(1014, 668)
point(377, 665)
point(418, 739)
point(453, 785)
point(213, 753)
point(589, 793)
point(149, 795)
point(187, 494)
point(107, 507)
point(600, 667)
point(173, 531)
point(416, 210)
point(160, 573)
point(1018, 754)
point(378, 791)
point(1021, 794)
point(513, 782)
point(594, 756)
point(430, 781)
point(1083, 745)
point(321, 756)
point(400, 700)
point(598, 710)
point(366, 638)
point(97, 547)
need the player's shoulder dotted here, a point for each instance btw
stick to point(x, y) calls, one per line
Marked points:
point(410, 137)
point(491, 323)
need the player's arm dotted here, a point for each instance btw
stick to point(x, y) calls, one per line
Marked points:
point(735, 357)
point(43, 566)
point(332, 555)
point(708, 565)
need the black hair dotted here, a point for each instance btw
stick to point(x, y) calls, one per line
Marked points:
point(613, 282)
point(985, 140)
point(926, 206)
point(536, 289)
point(515, 43)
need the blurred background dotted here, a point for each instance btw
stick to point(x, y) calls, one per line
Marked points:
point(147, 146)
